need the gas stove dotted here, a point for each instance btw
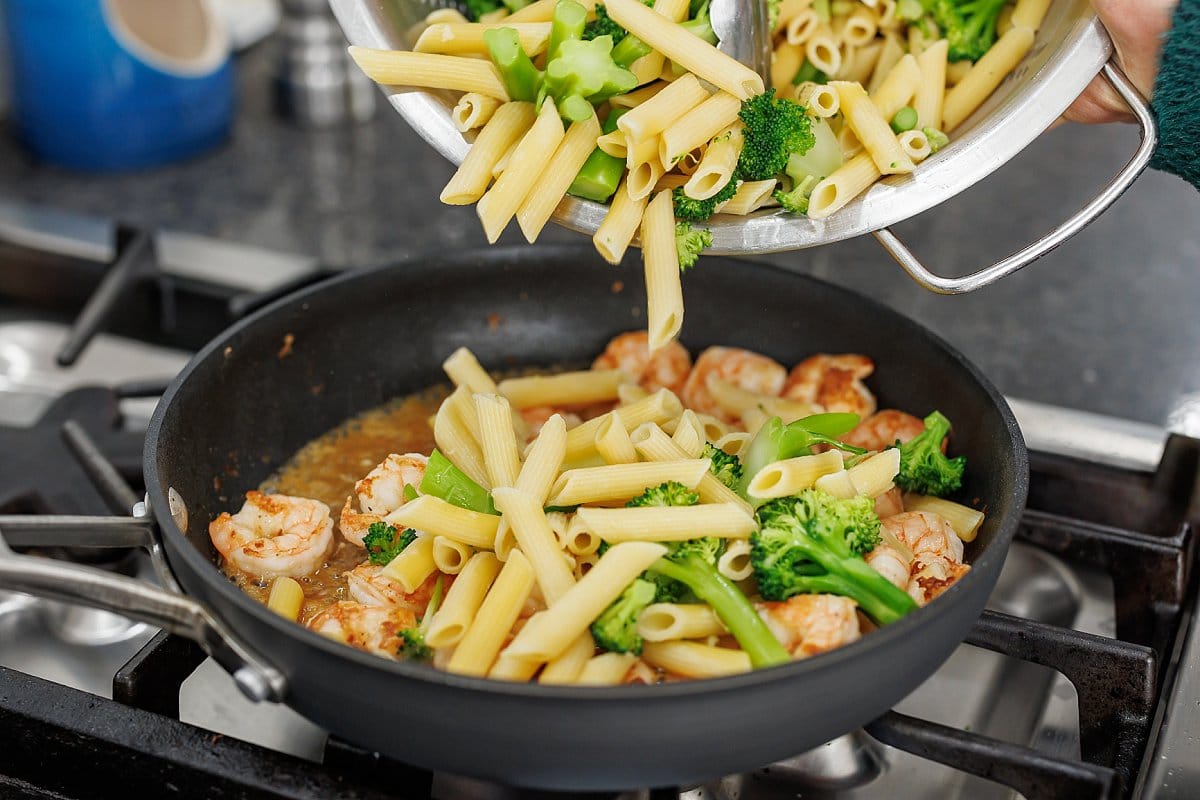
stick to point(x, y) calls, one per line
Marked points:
point(1079, 681)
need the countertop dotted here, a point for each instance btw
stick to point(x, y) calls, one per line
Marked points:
point(1107, 323)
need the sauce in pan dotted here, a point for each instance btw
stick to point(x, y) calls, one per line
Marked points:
point(327, 468)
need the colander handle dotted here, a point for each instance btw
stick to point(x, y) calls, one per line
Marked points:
point(1027, 255)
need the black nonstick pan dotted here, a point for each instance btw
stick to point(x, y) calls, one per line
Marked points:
point(247, 402)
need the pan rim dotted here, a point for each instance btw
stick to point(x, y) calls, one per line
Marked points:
point(204, 570)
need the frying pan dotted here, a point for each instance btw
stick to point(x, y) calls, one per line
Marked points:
point(246, 403)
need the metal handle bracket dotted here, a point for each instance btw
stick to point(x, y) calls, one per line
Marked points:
point(1077, 222)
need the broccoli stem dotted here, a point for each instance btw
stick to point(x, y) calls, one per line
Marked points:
point(629, 50)
point(876, 596)
point(447, 482)
point(904, 120)
point(600, 175)
point(776, 442)
point(808, 73)
point(568, 23)
point(575, 108)
point(735, 611)
point(520, 77)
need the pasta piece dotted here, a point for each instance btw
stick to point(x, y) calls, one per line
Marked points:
point(898, 87)
point(439, 518)
point(567, 667)
point(1004, 20)
point(664, 293)
point(736, 401)
point(505, 541)
point(802, 27)
point(513, 668)
point(583, 564)
point(413, 565)
point(544, 459)
point(286, 598)
point(785, 478)
point(430, 71)
point(550, 632)
point(462, 601)
point(750, 196)
point(444, 15)
point(498, 441)
point(613, 236)
point(542, 11)
point(871, 129)
point(495, 16)
point(785, 63)
point(606, 669)
point(456, 440)
point(564, 389)
point(847, 182)
point(496, 616)
point(713, 428)
point(985, 76)
point(889, 55)
point(613, 443)
point(659, 407)
point(677, 44)
point(580, 540)
point(668, 524)
point(734, 563)
point(874, 475)
point(787, 10)
point(695, 660)
point(718, 165)
point(502, 132)
point(473, 110)
point(644, 169)
point(465, 370)
point(860, 27)
point(467, 37)
point(623, 481)
point(552, 185)
point(858, 64)
point(963, 519)
point(663, 622)
point(697, 127)
point(689, 435)
point(637, 97)
point(1029, 14)
point(837, 484)
point(450, 556)
point(652, 117)
point(502, 164)
point(630, 393)
point(916, 144)
point(654, 444)
point(956, 71)
point(822, 51)
point(615, 144)
point(733, 442)
point(821, 101)
point(537, 541)
point(932, 89)
point(497, 207)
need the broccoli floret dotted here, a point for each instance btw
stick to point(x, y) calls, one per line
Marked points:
point(585, 70)
point(813, 542)
point(727, 468)
point(477, 8)
point(671, 493)
point(937, 140)
point(924, 468)
point(384, 542)
point(776, 442)
point(700, 25)
point(413, 647)
point(796, 201)
point(774, 129)
point(689, 243)
point(603, 25)
point(773, 13)
point(615, 629)
point(969, 26)
point(699, 210)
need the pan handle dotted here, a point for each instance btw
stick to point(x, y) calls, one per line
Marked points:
point(1027, 255)
point(83, 585)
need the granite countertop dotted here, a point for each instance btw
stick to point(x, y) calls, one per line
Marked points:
point(1106, 323)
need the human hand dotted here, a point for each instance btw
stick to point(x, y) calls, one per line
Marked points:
point(1137, 28)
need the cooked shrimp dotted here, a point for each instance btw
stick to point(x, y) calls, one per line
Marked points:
point(937, 553)
point(889, 503)
point(743, 368)
point(641, 672)
point(368, 587)
point(274, 535)
point(883, 429)
point(667, 368)
point(834, 382)
point(808, 624)
point(375, 629)
point(380, 493)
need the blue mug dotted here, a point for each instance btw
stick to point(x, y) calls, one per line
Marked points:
point(118, 84)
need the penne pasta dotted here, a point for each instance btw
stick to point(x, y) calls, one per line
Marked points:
point(623, 481)
point(689, 435)
point(429, 71)
point(668, 524)
point(931, 90)
point(455, 438)
point(615, 233)
point(413, 565)
point(697, 127)
point(889, 55)
point(501, 458)
point(735, 563)
point(1029, 14)
point(717, 166)
point(695, 660)
point(847, 182)
point(606, 669)
point(822, 51)
point(653, 116)
point(801, 27)
point(286, 598)
point(985, 76)
point(636, 98)
point(664, 293)
point(473, 110)
point(785, 478)
point(579, 540)
point(663, 622)
point(568, 666)
point(837, 484)
point(498, 205)
point(821, 101)
point(481, 643)
point(873, 475)
point(898, 88)
point(916, 144)
point(544, 459)
point(565, 389)
point(537, 541)
point(551, 187)
point(450, 556)
point(439, 518)
point(872, 131)
point(462, 601)
point(659, 407)
point(963, 519)
point(785, 63)
point(750, 196)
point(503, 131)
point(736, 401)
point(654, 445)
point(465, 370)
point(613, 443)
point(459, 38)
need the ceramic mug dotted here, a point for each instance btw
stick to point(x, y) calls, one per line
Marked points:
point(118, 84)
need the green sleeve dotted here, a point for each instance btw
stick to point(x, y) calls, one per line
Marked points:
point(1176, 101)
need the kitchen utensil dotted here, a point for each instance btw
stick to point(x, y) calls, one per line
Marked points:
point(1071, 48)
point(243, 406)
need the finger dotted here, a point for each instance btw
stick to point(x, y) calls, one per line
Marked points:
point(1099, 103)
point(1137, 29)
